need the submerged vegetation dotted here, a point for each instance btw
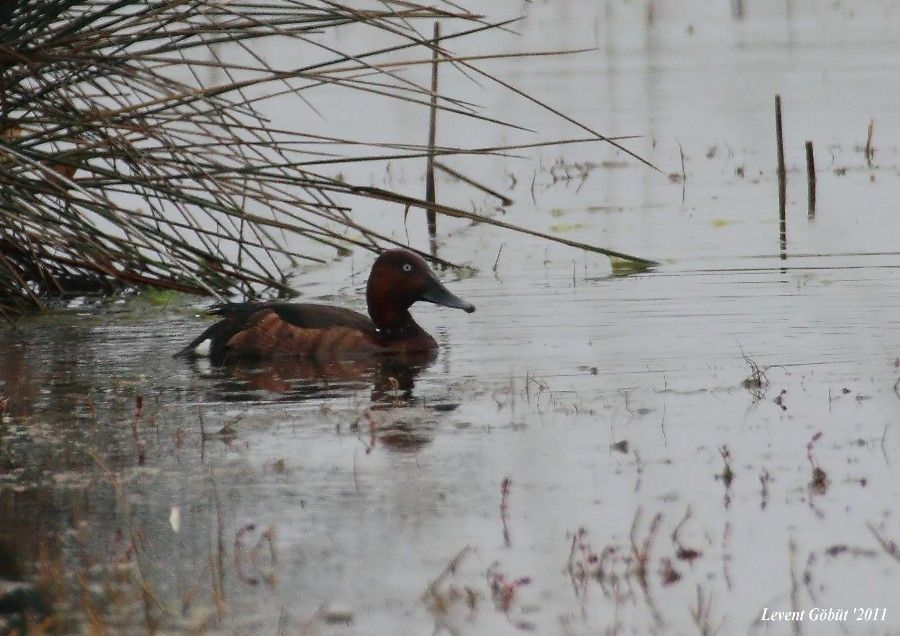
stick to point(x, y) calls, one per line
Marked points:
point(135, 150)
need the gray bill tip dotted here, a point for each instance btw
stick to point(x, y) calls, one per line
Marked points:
point(440, 295)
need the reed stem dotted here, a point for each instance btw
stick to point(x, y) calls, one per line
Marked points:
point(811, 178)
point(432, 133)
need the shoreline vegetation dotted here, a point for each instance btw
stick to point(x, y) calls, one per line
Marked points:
point(135, 152)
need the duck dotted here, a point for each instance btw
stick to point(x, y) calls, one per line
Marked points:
point(268, 330)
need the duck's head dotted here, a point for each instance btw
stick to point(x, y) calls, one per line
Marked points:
point(400, 278)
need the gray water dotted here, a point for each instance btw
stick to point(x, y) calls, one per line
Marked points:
point(605, 399)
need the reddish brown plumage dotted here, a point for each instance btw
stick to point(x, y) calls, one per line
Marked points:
point(267, 335)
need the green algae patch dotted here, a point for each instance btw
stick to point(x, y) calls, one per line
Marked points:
point(562, 228)
point(625, 267)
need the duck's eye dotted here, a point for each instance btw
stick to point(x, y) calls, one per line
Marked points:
point(407, 267)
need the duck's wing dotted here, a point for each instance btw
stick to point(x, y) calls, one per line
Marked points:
point(313, 316)
point(268, 329)
point(305, 315)
point(311, 331)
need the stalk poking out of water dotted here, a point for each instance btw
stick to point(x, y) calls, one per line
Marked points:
point(432, 133)
point(811, 178)
point(782, 179)
point(504, 509)
point(870, 150)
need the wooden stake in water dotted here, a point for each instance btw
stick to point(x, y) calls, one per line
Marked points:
point(782, 178)
point(811, 178)
point(870, 151)
point(432, 133)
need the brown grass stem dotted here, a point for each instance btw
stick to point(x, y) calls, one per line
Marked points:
point(811, 178)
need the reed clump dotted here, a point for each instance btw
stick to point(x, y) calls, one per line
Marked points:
point(134, 148)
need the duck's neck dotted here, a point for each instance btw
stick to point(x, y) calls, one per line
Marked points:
point(392, 322)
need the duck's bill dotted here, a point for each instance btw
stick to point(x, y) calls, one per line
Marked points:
point(439, 295)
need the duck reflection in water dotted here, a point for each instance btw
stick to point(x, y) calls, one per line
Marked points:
point(391, 378)
point(395, 418)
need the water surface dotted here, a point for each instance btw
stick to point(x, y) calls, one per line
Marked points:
point(616, 406)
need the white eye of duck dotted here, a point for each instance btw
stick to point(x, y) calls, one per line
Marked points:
point(407, 267)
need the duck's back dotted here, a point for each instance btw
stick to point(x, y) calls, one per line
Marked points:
point(304, 315)
point(263, 330)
